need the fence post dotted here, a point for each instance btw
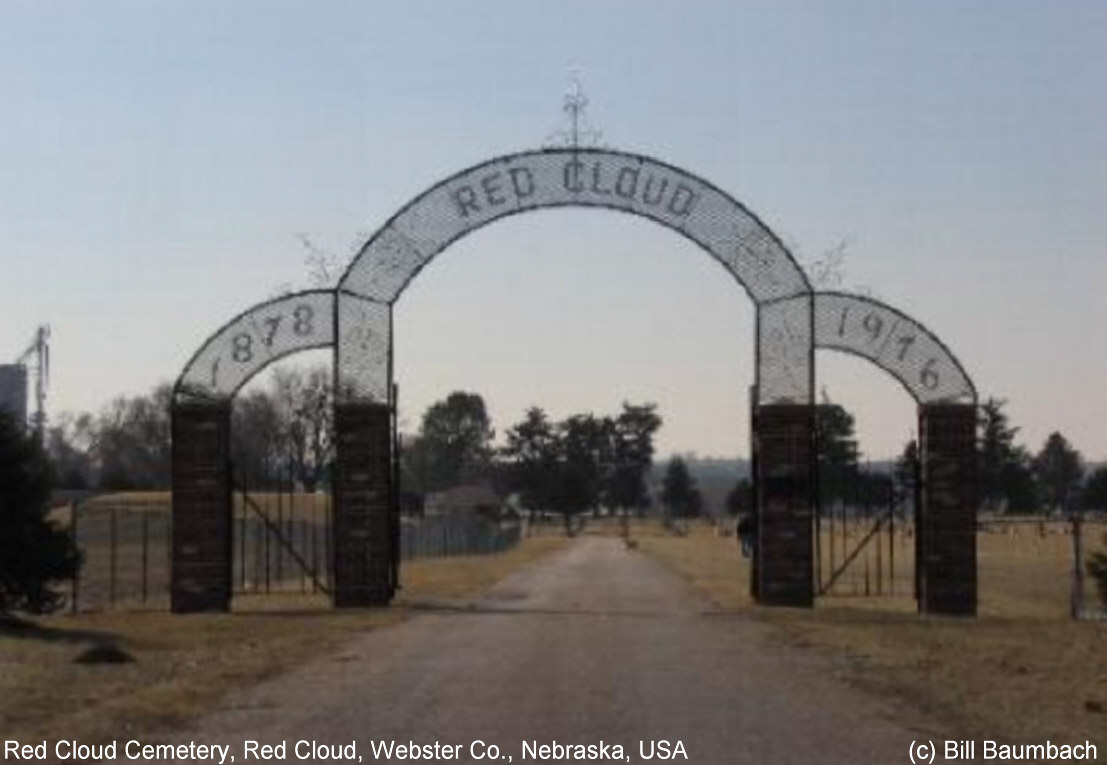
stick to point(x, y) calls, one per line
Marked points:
point(280, 527)
point(315, 545)
point(892, 544)
point(145, 553)
point(328, 533)
point(112, 552)
point(265, 538)
point(259, 561)
point(1077, 606)
point(242, 551)
point(879, 563)
point(76, 582)
point(303, 552)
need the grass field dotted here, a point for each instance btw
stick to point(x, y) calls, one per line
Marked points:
point(125, 543)
point(297, 504)
point(1022, 670)
point(185, 663)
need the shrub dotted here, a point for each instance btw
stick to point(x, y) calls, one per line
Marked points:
point(34, 553)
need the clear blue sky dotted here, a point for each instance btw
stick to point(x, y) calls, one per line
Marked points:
point(158, 159)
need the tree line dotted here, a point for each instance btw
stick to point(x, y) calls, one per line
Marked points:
point(1054, 479)
point(841, 477)
point(281, 433)
point(567, 467)
point(1012, 479)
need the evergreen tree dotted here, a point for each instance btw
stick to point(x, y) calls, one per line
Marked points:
point(836, 450)
point(679, 493)
point(1095, 498)
point(1006, 479)
point(1094, 495)
point(740, 499)
point(34, 552)
point(1059, 469)
point(531, 453)
point(582, 451)
point(1097, 567)
point(631, 453)
point(905, 473)
point(1020, 487)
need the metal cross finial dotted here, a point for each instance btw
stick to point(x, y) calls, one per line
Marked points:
point(578, 132)
point(575, 103)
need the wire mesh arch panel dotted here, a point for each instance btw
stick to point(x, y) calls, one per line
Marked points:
point(364, 352)
point(894, 342)
point(574, 177)
point(785, 352)
point(749, 251)
point(256, 338)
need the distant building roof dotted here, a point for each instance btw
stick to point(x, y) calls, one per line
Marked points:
point(471, 498)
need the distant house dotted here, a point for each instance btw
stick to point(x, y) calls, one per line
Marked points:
point(476, 501)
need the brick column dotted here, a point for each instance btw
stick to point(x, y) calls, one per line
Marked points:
point(946, 523)
point(785, 460)
point(202, 534)
point(364, 545)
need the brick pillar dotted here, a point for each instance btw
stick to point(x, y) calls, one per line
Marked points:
point(364, 545)
point(785, 460)
point(946, 523)
point(202, 534)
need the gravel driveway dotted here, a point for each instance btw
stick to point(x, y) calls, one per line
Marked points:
point(595, 644)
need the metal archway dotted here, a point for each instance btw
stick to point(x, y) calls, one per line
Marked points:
point(550, 178)
point(355, 318)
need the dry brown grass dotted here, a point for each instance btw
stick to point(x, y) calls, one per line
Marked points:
point(712, 563)
point(136, 499)
point(184, 663)
point(464, 577)
point(1021, 670)
point(294, 505)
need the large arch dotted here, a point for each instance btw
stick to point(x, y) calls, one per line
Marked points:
point(631, 183)
point(355, 319)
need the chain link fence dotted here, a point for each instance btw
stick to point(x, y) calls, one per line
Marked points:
point(1042, 567)
point(1028, 565)
point(438, 537)
point(1091, 602)
point(125, 555)
point(282, 545)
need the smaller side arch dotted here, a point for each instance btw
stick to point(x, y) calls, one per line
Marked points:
point(896, 343)
point(946, 494)
point(253, 340)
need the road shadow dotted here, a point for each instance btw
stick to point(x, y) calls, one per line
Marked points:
point(25, 629)
point(483, 608)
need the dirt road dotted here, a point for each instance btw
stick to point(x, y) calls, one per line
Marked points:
point(598, 643)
